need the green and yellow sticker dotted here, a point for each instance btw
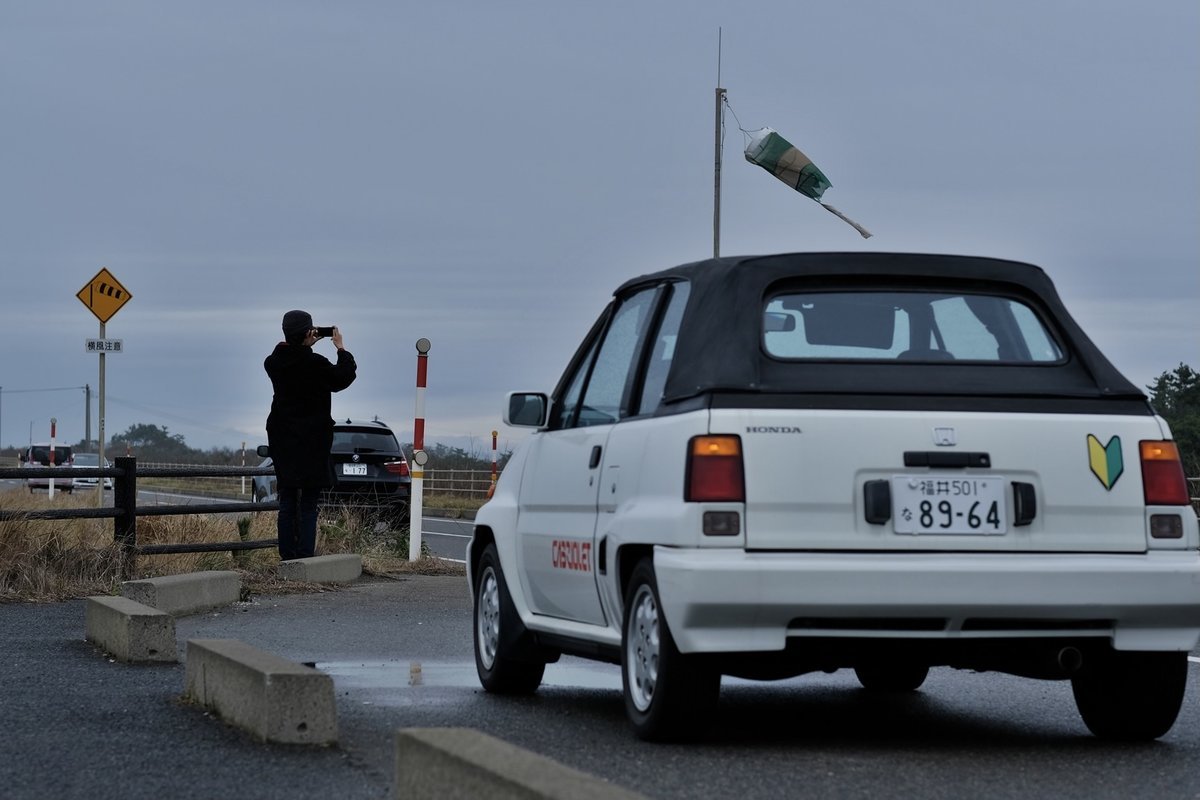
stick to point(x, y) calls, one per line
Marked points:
point(1106, 460)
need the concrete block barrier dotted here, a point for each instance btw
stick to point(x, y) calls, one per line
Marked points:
point(339, 568)
point(130, 630)
point(187, 593)
point(448, 763)
point(275, 699)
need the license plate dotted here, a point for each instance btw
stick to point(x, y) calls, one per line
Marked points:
point(354, 469)
point(924, 504)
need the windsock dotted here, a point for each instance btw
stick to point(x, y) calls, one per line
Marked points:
point(784, 160)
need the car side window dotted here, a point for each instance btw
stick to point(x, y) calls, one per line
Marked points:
point(568, 403)
point(659, 363)
point(605, 397)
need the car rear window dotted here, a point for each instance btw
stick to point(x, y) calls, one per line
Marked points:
point(41, 455)
point(364, 441)
point(906, 326)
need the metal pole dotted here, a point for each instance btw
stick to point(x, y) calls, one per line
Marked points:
point(420, 457)
point(717, 178)
point(87, 416)
point(720, 98)
point(100, 426)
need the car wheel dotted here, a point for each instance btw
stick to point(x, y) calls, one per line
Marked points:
point(498, 629)
point(885, 677)
point(668, 695)
point(1130, 696)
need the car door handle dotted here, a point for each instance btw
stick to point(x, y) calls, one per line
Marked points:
point(595, 460)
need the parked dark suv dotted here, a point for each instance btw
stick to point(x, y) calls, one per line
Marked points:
point(369, 469)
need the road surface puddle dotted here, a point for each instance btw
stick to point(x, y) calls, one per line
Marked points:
point(415, 674)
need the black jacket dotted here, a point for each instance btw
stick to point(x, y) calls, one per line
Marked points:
point(299, 427)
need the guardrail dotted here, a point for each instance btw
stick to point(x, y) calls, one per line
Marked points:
point(125, 510)
point(469, 482)
point(475, 482)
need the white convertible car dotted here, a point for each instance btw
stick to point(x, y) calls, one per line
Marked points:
point(768, 466)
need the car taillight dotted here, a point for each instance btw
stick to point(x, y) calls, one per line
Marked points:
point(714, 470)
point(1163, 483)
point(396, 467)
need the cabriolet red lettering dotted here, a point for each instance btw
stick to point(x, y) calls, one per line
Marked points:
point(573, 555)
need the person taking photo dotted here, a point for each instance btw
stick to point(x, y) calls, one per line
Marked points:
point(300, 426)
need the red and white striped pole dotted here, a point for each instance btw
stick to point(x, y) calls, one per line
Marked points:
point(53, 428)
point(415, 509)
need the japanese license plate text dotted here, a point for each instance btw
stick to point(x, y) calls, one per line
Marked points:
point(923, 504)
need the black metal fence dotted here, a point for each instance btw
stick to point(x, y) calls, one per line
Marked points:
point(125, 510)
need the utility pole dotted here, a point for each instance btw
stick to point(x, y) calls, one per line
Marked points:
point(717, 156)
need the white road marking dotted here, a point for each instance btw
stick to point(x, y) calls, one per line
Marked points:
point(1194, 659)
point(439, 533)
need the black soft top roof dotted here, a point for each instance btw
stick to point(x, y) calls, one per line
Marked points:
point(719, 348)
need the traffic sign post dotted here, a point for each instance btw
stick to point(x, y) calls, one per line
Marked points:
point(104, 296)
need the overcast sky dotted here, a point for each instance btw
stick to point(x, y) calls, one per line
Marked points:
point(485, 174)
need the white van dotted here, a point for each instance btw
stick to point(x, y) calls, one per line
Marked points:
point(43, 455)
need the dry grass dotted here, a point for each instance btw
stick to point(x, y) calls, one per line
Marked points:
point(45, 560)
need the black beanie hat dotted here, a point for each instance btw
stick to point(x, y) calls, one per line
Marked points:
point(296, 325)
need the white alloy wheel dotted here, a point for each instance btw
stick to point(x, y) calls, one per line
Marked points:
point(506, 657)
point(487, 617)
point(643, 645)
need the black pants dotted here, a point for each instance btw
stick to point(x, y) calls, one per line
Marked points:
point(298, 523)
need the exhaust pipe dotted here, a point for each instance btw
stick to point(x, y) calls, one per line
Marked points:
point(1070, 659)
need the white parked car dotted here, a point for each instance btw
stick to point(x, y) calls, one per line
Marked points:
point(768, 466)
point(92, 461)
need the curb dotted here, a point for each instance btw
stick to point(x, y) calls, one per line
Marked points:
point(338, 568)
point(130, 631)
point(463, 762)
point(188, 593)
point(275, 699)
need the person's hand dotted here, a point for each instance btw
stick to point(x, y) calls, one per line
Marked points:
point(337, 338)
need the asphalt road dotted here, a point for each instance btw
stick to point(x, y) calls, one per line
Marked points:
point(81, 726)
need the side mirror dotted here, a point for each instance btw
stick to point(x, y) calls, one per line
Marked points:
point(778, 322)
point(526, 409)
point(263, 451)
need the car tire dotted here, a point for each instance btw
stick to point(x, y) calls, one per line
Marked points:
point(1130, 696)
point(498, 630)
point(891, 677)
point(668, 695)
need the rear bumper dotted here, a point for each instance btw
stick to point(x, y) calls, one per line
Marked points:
point(734, 601)
point(367, 493)
point(60, 484)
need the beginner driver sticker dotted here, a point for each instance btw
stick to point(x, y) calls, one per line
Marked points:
point(1106, 460)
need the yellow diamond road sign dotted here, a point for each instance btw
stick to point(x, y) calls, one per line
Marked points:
point(104, 295)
